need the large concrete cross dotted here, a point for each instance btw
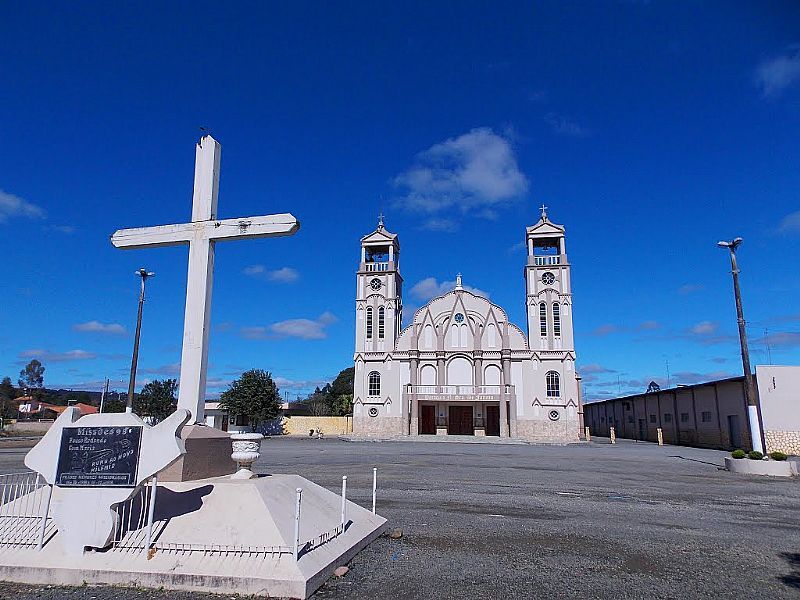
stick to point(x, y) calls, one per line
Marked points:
point(201, 234)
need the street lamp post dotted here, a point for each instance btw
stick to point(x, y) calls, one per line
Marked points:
point(144, 274)
point(749, 387)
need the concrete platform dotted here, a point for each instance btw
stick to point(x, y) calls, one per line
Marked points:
point(216, 535)
point(208, 454)
point(772, 468)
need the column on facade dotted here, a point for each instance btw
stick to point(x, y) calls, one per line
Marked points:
point(413, 409)
point(506, 366)
point(441, 374)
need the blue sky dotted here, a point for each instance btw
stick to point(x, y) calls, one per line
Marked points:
point(650, 129)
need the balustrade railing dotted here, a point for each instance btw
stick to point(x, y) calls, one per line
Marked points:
point(377, 266)
point(547, 260)
point(460, 390)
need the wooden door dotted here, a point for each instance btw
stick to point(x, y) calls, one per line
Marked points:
point(492, 420)
point(427, 420)
point(460, 421)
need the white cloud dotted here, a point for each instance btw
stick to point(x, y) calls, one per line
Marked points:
point(282, 275)
point(775, 75)
point(47, 356)
point(790, 223)
point(14, 206)
point(304, 329)
point(98, 327)
point(473, 171)
point(437, 224)
point(429, 288)
point(690, 288)
point(172, 369)
point(565, 126)
point(704, 328)
point(606, 329)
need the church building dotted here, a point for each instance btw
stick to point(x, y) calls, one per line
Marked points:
point(460, 367)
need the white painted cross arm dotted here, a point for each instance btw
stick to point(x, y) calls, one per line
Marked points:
point(213, 230)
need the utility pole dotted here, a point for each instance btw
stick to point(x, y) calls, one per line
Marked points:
point(144, 274)
point(103, 395)
point(749, 387)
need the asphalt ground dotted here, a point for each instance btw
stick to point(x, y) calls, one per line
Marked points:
point(631, 520)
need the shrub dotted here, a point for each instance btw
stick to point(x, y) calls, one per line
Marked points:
point(755, 455)
point(777, 456)
point(738, 454)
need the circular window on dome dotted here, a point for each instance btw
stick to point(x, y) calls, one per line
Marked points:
point(554, 415)
point(373, 412)
point(459, 318)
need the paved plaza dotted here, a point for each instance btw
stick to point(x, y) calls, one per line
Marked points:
point(632, 520)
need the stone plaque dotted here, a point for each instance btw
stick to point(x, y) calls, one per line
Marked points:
point(99, 456)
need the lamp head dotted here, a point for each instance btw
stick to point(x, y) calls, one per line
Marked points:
point(723, 244)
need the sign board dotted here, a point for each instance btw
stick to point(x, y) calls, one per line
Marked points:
point(99, 456)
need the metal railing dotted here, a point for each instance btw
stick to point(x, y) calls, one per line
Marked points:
point(24, 510)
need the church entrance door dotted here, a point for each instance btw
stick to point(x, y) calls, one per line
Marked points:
point(427, 420)
point(460, 421)
point(493, 420)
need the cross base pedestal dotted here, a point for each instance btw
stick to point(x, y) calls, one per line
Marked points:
point(208, 454)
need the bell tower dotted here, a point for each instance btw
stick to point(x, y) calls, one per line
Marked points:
point(379, 304)
point(548, 285)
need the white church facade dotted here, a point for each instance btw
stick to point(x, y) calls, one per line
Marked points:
point(460, 367)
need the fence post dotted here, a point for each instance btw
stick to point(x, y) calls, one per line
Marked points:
point(660, 433)
point(374, 486)
point(151, 511)
point(613, 433)
point(344, 500)
point(299, 493)
point(588, 435)
point(43, 526)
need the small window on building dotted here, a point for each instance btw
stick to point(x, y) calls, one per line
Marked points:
point(553, 384)
point(381, 323)
point(684, 417)
point(369, 322)
point(374, 388)
point(543, 319)
point(705, 416)
point(667, 418)
point(630, 418)
point(652, 418)
point(556, 319)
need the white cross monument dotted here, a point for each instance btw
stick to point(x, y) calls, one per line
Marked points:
point(201, 234)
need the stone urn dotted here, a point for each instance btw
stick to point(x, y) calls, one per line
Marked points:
point(246, 450)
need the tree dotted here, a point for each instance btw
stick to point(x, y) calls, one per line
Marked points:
point(32, 376)
point(254, 395)
point(156, 400)
point(113, 405)
point(317, 403)
point(7, 394)
point(340, 398)
point(7, 389)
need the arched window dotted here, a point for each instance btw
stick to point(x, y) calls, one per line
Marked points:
point(553, 384)
point(369, 322)
point(556, 319)
point(463, 336)
point(381, 322)
point(454, 336)
point(428, 336)
point(543, 319)
point(491, 335)
point(374, 388)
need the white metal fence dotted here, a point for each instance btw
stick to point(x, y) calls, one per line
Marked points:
point(25, 521)
point(24, 510)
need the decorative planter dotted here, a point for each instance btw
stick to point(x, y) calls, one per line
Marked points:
point(246, 450)
point(775, 468)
